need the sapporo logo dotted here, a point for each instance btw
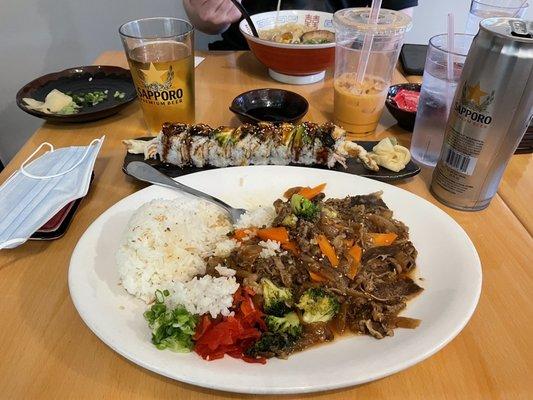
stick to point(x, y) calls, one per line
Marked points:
point(158, 87)
point(474, 103)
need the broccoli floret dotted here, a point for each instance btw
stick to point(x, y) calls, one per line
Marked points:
point(276, 300)
point(318, 305)
point(289, 324)
point(303, 208)
point(290, 221)
point(282, 333)
point(271, 345)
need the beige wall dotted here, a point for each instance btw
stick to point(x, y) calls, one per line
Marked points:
point(42, 36)
point(430, 17)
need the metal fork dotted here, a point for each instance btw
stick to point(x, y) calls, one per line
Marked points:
point(147, 173)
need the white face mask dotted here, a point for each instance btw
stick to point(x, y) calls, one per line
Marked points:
point(38, 190)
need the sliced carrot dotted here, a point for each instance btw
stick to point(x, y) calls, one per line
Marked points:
point(352, 271)
point(327, 249)
point(279, 234)
point(291, 246)
point(316, 277)
point(349, 242)
point(309, 192)
point(382, 239)
point(356, 252)
point(240, 234)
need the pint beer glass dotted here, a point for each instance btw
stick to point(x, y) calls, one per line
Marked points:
point(160, 54)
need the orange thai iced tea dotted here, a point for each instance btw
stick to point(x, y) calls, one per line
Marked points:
point(161, 59)
point(366, 52)
point(358, 107)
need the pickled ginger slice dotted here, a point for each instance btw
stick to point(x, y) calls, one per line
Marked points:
point(389, 154)
point(54, 103)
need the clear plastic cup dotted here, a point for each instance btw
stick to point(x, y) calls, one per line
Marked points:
point(359, 100)
point(481, 9)
point(436, 96)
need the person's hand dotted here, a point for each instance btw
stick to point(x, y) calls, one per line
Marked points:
point(211, 16)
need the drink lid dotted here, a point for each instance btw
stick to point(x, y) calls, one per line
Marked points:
point(390, 23)
point(511, 28)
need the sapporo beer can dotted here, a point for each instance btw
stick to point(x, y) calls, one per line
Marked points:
point(492, 108)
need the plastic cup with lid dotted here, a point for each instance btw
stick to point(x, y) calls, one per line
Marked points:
point(366, 54)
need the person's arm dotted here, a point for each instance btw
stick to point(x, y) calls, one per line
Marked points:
point(211, 16)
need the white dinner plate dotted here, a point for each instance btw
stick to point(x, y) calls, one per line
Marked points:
point(447, 263)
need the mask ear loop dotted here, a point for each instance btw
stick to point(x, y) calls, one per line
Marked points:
point(12, 242)
point(29, 175)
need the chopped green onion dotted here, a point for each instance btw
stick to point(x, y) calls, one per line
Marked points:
point(90, 98)
point(172, 329)
point(70, 109)
point(159, 296)
point(119, 95)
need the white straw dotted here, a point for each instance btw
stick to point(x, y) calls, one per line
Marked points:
point(277, 14)
point(451, 46)
point(367, 41)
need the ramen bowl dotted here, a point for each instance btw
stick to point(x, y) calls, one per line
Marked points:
point(292, 63)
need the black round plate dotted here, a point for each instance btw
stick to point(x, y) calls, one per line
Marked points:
point(352, 166)
point(82, 80)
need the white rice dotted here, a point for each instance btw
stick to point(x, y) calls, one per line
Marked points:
point(164, 247)
point(261, 216)
point(166, 242)
point(225, 271)
point(270, 248)
point(224, 247)
point(205, 295)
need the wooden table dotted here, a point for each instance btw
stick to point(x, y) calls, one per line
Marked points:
point(516, 188)
point(47, 351)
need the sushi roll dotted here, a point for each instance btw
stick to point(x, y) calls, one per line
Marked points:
point(264, 143)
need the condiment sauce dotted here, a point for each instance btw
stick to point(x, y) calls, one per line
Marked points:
point(272, 114)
